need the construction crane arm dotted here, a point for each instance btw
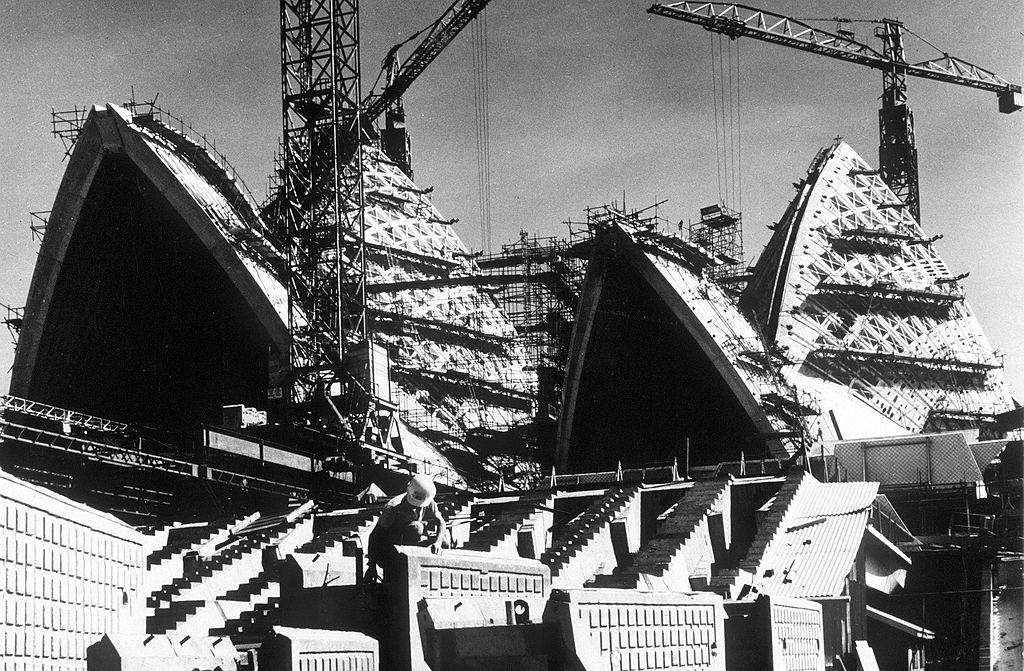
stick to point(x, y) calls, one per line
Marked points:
point(440, 35)
point(743, 21)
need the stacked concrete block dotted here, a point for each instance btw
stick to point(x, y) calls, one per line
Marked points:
point(797, 635)
point(230, 579)
point(166, 560)
point(513, 528)
point(624, 629)
point(320, 590)
point(774, 634)
point(683, 550)
point(460, 634)
point(731, 582)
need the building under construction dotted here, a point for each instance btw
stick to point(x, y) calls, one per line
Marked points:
point(627, 407)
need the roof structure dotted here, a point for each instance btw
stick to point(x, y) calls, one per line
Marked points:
point(816, 541)
point(873, 321)
point(159, 291)
point(657, 335)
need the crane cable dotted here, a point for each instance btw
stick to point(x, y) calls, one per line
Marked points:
point(481, 97)
point(714, 98)
point(726, 97)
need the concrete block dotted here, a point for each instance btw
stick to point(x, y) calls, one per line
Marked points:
point(615, 628)
point(291, 649)
point(318, 590)
point(418, 574)
point(139, 652)
point(469, 634)
point(774, 634)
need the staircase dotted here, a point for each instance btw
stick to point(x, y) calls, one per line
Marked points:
point(343, 529)
point(681, 543)
point(227, 584)
point(499, 535)
point(585, 542)
point(182, 539)
point(728, 583)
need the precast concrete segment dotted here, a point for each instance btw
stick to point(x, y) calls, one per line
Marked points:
point(872, 320)
point(626, 629)
point(68, 574)
point(454, 573)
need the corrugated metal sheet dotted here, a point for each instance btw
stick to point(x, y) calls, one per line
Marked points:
point(837, 498)
point(818, 540)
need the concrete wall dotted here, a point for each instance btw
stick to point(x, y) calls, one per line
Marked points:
point(626, 629)
point(453, 573)
point(68, 575)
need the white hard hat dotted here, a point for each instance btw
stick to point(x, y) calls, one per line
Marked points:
point(420, 491)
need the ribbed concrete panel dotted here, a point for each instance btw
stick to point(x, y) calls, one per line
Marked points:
point(856, 293)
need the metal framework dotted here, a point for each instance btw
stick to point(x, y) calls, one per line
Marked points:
point(66, 124)
point(439, 35)
point(37, 224)
point(322, 201)
point(720, 230)
point(322, 195)
point(896, 152)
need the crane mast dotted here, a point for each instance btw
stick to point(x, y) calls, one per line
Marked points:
point(897, 151)
point(322, 194)
point(897, 147)
point(326, 121)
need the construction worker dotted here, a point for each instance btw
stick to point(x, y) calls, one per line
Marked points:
point(408, 519)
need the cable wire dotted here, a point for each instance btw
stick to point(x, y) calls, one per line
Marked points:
point(714, 98)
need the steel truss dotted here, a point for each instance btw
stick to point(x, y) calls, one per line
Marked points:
point(897, 152)
point(322, 196)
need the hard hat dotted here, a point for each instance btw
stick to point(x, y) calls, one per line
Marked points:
point(420, 491)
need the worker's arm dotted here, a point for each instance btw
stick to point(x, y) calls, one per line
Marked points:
point(435, 547)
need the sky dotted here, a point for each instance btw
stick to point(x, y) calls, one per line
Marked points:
point(589, 101)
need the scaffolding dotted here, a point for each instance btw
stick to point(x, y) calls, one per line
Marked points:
point(66, 125)
point(873, 308)
point(13, 320)
point(37, 222)
point(720, 230)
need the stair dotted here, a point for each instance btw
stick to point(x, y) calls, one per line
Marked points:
point(677, 528)
point(167, 619)
point(584, 528)
point(253, 625)
point(235, 574)
point(253, 586)
point(181, 540)
point(727, 582)
point(345, 528)
point(505, 523)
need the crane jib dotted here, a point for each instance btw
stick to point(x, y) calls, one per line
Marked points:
point(736, 21)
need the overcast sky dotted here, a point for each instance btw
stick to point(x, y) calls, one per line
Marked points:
point(588, 100)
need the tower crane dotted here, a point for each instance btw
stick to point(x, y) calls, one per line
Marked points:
point(897, 152)
point(326, 121)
